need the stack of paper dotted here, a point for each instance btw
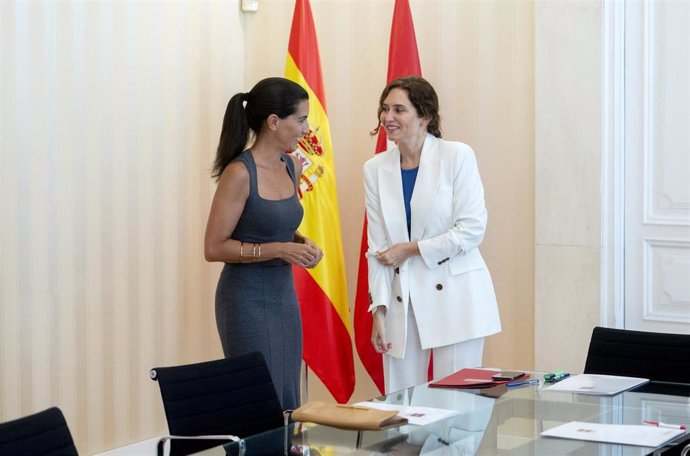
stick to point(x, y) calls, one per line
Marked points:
point(602, 385)
point(628, 434)
point(420, 416)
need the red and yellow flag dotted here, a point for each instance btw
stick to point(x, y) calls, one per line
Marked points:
point(403, 60)
point(322, 291)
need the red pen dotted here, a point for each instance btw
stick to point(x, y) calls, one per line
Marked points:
point(665, 425)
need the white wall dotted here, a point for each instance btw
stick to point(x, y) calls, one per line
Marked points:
point(109, 118)
point(568, 142)
point(110, 114)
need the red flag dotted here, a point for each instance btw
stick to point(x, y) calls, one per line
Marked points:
point(321, 291)
point(403, 60)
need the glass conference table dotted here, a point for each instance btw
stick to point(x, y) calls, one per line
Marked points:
point(508, 423)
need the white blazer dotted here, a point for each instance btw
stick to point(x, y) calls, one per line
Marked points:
point(449, 284)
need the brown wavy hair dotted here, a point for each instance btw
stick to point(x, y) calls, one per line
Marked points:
point(422, 96)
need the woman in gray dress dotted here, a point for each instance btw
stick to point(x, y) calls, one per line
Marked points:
point(252, 228)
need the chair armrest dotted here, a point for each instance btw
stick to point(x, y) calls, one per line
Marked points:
point(160, 447)
point(686, 450)
point(286, 437)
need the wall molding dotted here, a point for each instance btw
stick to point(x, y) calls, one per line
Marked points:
point(612, 166)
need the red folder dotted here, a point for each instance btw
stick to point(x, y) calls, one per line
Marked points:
point(472, 378)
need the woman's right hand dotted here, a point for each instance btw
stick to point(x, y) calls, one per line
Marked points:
point(378, 331)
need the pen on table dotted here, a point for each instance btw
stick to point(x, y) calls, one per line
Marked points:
point(553, 376)
point(559, 378)
point(664, 425)
point(532, 381)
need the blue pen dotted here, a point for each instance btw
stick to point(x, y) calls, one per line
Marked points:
point(532, 381)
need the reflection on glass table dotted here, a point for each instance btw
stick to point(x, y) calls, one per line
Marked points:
point(492, 421)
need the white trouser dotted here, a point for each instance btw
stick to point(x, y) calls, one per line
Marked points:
point(412, 369)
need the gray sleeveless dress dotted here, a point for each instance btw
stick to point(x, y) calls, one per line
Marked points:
point(256, 304)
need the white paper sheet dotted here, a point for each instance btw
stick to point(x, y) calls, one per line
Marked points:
point(415, 415)
point(602, 385)
point(627, 434)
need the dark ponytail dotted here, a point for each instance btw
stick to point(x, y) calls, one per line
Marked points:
point(277, 96)
point(233, 136)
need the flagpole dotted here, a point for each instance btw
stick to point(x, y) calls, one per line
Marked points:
point(304, 394)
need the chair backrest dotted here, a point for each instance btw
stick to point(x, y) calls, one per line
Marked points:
point(233, 396)
point(41, 434)
point(657, 356)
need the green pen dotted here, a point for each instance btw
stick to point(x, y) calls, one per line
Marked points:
point(553, 375)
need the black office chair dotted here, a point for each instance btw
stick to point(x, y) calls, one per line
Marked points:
point(659, 357)
point(41, 434)
point(232, 397)
point(680, 446)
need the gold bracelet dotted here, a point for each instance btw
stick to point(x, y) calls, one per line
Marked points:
point(241, 251)
point(259, 257)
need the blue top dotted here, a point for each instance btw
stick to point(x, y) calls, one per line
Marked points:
point(409, 177)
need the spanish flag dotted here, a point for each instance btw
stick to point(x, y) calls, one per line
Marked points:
point(322, 291)
point(403, 60)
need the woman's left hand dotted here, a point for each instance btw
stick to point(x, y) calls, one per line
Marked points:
point(315, 251)
point(398, 253)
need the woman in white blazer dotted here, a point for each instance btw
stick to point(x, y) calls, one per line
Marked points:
point(429, 286)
